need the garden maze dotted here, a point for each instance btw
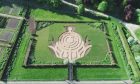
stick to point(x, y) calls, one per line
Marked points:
point(71, 47)
point(58, 45)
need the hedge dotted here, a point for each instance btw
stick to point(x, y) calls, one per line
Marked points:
point(129, 54)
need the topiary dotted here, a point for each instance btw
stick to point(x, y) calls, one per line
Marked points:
point(103, 6)
point(78, 2)
point(80, 9)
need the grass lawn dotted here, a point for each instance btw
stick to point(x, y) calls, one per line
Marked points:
point(105, 73)
point(138, 33)
point(65, 13)
point(41, 14)
point(21, 73)
point(44, 38)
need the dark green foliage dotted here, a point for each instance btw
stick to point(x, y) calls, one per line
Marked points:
point(137, 14)
point(80, 9)
point(78, 2)
point(136, 48)
point(2, 22)
point(103, 6)
point(53, 3)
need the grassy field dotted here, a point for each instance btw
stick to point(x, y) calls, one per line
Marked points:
point(21, 73)
point(138, 33)
point(43, 55)
point(106, 73)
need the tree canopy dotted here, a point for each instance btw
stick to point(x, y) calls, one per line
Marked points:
point(103, 6)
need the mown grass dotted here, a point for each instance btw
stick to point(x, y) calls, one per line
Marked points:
point(105, 73)
point(42, 14)
point(21, 73)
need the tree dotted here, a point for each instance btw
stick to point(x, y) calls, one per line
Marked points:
point(126, 2)
point(118, 2)
point(129, 12)
point(138, 15)
point(80, 9)
point(103, 6)
point(55, 3)
point(88, 1)
point(78, 2)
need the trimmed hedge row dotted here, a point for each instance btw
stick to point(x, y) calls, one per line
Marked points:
point(129, 54)
point(11, 51)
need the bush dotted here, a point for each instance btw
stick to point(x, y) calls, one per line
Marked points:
point(78, 2)
point(138, 15)
point(137, 58)
point(103, 6)
point(53, 3)
point(130, 40)
point(136, 48)
point(80, 9)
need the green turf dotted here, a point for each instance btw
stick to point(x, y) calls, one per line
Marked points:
point(138, 33)
point(106, 73)
point(21, 73)
point(41, 14)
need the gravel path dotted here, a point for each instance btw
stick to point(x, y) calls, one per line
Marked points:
point(68, 82)
point(11, 16)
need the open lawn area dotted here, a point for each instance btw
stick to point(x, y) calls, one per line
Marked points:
point(21, 73)
point(65, 13)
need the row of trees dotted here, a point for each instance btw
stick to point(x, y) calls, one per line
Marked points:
point(53, 3)
point(127, 8)
point(82, 3)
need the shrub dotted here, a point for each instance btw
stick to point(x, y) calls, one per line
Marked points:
point(55, 3)
point(138, 15)
point(137, 58)
point(80, 9)
point(136, 48)
point(78, 2)
point(130, 40)
point(103, 6)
